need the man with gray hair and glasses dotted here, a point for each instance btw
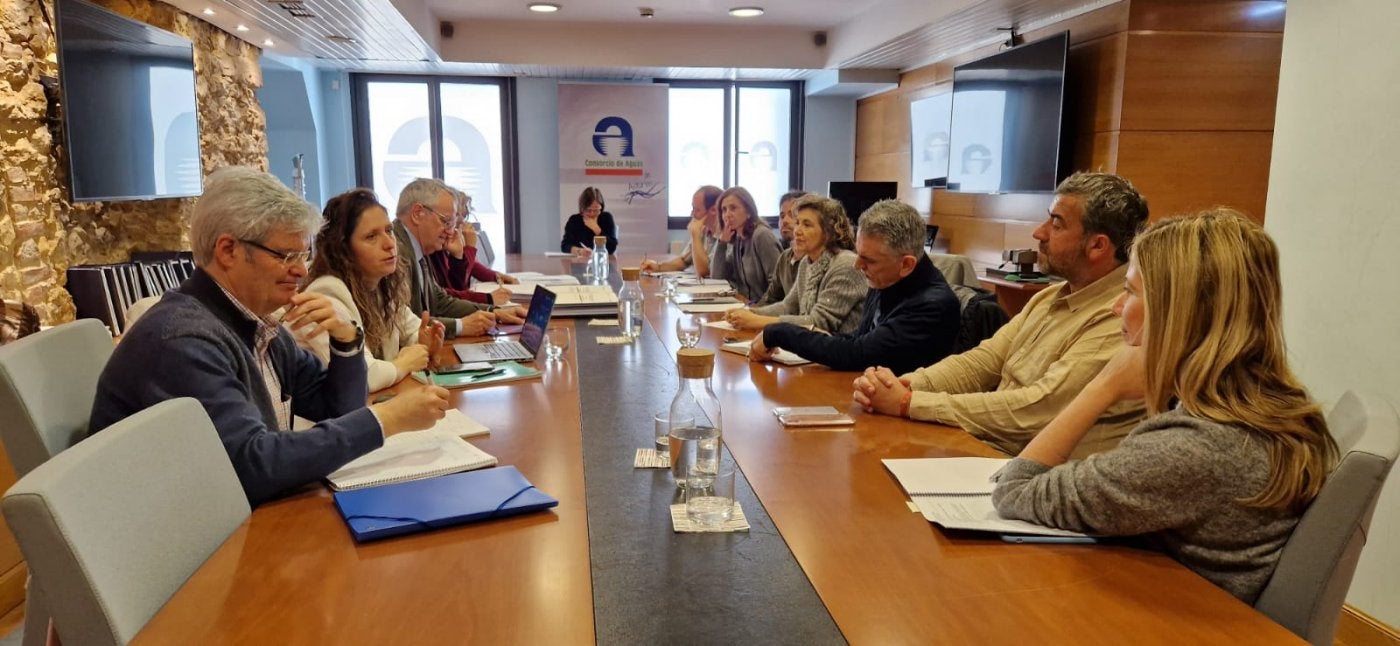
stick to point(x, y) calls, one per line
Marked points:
point(213, 338)
point(423, 222)
point(1009, 387)
point(911, 315)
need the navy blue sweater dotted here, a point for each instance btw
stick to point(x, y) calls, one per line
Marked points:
point(910, 324)
point(196, 343)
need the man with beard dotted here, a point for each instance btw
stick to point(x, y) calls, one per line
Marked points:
point(1009, 387)
point(785, 273)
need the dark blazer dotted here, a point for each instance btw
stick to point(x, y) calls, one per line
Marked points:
point(196, 343)
point(577, 234)
point(441, 305)
point(910, 324)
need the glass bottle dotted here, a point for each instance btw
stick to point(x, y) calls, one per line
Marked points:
point(695, 422)
point(629, 303)
point(600, 260)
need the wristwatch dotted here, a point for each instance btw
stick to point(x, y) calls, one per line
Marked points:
point(351, 347)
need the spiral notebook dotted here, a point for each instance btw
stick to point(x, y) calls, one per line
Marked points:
point(410, 456)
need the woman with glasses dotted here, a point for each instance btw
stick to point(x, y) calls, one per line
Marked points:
point(356, 266)
point(1235, 449)
point(591, 220)
point(747, 251)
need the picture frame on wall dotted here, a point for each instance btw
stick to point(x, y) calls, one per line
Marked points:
point(929, 120)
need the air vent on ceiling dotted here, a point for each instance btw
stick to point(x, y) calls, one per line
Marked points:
point(295, 8)
point(344, 40)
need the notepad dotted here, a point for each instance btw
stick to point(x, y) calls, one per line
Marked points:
point(501, 371)
point(956, 493)
point(782, 356)
point(408, 507)
point(708, 308)
point(410, 456)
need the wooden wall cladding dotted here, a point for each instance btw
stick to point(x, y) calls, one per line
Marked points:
point(1200, 81)
point(1176, 95)
point(1181, 172)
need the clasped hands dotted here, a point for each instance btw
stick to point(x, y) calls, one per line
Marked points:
point(878, 390)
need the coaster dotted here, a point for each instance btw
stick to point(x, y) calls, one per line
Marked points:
point(602, 323)
point(681, 524)
point(650, 459)
point(613, 340)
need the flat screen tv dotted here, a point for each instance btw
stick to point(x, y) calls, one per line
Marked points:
point(128, 106)
point(856, 197)
point(1007, 132)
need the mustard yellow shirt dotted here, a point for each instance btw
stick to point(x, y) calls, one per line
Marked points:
point(1009, 387)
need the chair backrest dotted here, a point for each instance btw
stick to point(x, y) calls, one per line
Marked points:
point(1306, 592)
point(957, 270)
point(47, 383)
point(112, 527)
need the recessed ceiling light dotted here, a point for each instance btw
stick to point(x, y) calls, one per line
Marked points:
point(746, 12)
point(543, 7)
point(208, 11)
point(267, 42)
point(242, 27)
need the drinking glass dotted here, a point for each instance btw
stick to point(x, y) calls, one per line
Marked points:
point(556, 342)
point(668, 286)
point(688, 330)
point(709, 497)
point(662, 426)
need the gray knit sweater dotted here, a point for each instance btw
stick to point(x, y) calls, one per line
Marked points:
point(828, 294)
point(1177, 479)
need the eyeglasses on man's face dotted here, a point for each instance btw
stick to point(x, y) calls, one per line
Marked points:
point(287, 258)
point(445, 220)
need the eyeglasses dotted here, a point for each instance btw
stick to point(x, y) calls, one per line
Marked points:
point(287, 258)
point(446, 221)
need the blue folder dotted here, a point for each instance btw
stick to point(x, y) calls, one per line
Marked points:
point(408, 507)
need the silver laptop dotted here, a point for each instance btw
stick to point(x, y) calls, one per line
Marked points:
point(531, 335)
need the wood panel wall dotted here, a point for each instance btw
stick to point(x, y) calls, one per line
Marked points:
point(1176, 95)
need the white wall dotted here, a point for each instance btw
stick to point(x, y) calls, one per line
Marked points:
point(537, 125)
point(828, 142)
point(1332, 209)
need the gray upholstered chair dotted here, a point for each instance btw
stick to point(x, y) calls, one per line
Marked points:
point(1310, 584)
point(112, 527)
point(47, 384)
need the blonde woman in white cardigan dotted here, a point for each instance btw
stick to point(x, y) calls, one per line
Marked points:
point(356, 265)
point(829, 292)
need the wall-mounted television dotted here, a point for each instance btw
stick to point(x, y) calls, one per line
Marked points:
point(1008, 133)
point(128, 107)
point(856, 197)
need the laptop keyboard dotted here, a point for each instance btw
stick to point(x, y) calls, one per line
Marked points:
point(512, 350)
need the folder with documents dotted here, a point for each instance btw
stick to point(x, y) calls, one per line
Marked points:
point(409, 507)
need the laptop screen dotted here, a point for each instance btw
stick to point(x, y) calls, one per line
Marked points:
point(537, 319)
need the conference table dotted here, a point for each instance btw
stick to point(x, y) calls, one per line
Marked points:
point(835, 554)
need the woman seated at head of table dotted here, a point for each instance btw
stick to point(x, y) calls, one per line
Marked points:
point(1235, 449)
point(747, 250)
point(829, 292)
point(356, 265)
point(590, 221)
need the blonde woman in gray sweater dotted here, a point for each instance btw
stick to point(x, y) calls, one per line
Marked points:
point(829, 292)
point(1235, 449)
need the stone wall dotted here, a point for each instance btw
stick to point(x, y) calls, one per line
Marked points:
point(41, 232)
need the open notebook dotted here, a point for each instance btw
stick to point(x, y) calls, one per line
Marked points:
point(410, 456)
point(782, 356)
point(956, 493)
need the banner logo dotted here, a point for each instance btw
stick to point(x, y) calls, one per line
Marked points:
point(612, 137)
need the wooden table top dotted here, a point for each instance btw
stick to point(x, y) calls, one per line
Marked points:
point(292, 573)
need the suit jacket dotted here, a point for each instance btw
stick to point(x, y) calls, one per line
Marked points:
point(442, 306)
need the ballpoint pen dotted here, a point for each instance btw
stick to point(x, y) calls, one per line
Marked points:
point(498, 371)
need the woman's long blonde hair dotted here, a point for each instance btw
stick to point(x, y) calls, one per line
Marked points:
point(1215, 343)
